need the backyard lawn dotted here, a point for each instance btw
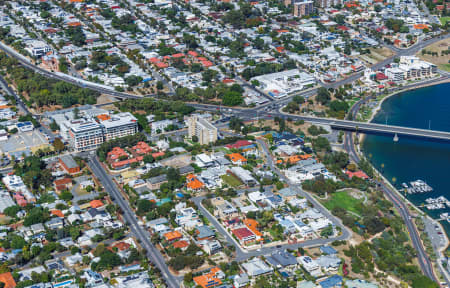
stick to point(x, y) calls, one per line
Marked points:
point(344, 200)
point(231, 180)
point(444, 20)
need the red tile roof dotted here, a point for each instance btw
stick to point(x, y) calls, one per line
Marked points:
point(242, 233)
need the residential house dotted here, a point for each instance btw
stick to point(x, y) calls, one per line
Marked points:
point(256, 267)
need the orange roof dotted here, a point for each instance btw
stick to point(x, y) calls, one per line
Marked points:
point(280, 49)
point(74, 24)
point(193, 182)
point(96, 203)
point(180, 244)
point(193, 53)
point(207, 63)
point(420, 26)
point(103, 117)
point(122, 246)
point(178, 55)
point(8, 280)
point(158, 154)
point(236, 157)
point(296, 158)
point(208, 280)
point(57, 212)
point(142, 148)
point(174, 235)
point(116, 152)
point(162, 65)
point(4, 106)
point(252, 224)
point(63, 181)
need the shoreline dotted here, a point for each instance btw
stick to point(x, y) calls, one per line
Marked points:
point(377, 109)
point(420, 212)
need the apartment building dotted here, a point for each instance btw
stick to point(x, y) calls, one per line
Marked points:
point(303, 8)
point(118, 125)
point(411, 68)
point(85, 134)
point(203, 129)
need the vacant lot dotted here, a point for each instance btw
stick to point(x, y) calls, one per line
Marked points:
point(344, 200)
point(231, 180)
point(442, 61)
point(376, 55)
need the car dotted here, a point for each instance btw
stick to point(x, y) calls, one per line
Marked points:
point(278, 246)
point(440, 233)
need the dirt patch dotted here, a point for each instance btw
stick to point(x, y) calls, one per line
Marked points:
point(177, 161)
point(104, 99)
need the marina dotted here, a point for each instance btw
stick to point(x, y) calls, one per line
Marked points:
point(418, 186)
point(437, 203)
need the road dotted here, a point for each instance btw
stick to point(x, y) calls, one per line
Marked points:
point(152, 253)
point(399, 204)
point(242, 254)
point(109, 91)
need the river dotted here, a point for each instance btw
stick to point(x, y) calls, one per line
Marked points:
point(414, 158)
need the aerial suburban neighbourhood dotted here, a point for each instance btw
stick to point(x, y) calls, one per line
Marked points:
point(228, 144)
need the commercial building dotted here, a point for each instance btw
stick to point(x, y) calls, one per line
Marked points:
point(69, 164)
point(281, 84)
point(203, 129)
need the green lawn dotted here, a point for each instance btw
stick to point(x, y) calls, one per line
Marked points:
point(344, 200)
point(231, 180)
point(444, 20)
point(445, 67)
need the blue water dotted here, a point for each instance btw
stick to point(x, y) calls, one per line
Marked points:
point(413, 158)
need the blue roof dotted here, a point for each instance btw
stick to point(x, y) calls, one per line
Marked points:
point(147, 79)
point(331, 282)
point(328, 250)
point(180, 195)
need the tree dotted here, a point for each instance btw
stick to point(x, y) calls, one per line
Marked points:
point(422, 281)
point(133, 80)
point(209, 75)
point(148, 159)
point(66, 195)
point(12, 211)
point(58, 145)
point(321, 144)
point(194, 139)
point(323, 96)
point(232, 98)
point(17, 242)
point(54, 126)
point(188, 277)
point(159, 85)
